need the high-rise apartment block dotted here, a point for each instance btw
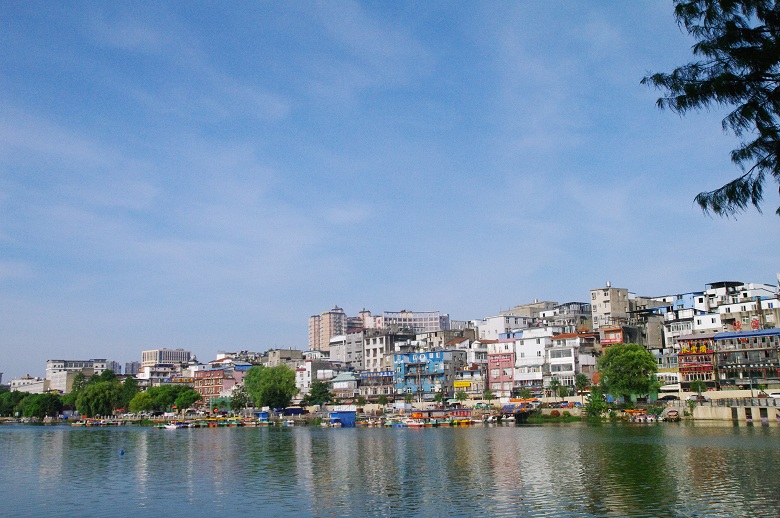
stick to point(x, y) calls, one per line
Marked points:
point(325, 326)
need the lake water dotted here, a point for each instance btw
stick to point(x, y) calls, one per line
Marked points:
point(665, 469)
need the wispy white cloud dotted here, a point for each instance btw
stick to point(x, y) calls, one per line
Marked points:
point(23, 136)
point(368, 53)
point(194, 85)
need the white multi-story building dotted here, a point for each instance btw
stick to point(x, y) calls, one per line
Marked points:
point(572, 354)
point(378, 351)
point(97, 366)
point(61, 373)
point(531, 310)
point(312, 370)
point(491, 328)
point(30, 384)
point(530, 356)
point(154, 357)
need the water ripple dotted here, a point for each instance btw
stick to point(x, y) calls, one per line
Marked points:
point(573, 470)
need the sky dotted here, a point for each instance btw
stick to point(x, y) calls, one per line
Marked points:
point(207, 175)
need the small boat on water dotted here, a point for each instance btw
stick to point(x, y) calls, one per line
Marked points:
point(415, 423)
point(175, 425)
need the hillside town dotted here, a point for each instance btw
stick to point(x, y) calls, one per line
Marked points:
point(725, 336)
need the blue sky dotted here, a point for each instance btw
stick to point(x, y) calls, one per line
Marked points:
point(208, 175)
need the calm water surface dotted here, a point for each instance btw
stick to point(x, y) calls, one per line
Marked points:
point(569, 470)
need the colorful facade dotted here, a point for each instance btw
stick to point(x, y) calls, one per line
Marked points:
point(424, 374)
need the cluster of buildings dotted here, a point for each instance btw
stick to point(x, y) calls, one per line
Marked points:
point(726, 335)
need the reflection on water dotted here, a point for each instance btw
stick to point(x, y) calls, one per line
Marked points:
point(567, 470)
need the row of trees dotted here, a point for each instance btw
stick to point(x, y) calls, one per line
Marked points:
point(30, 405)
point(98, 395)
point(624, 369)
point(164, 398)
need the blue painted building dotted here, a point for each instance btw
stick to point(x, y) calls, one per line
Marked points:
point(424, 374)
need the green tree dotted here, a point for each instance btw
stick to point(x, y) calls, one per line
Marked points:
point(554, 385)
point(271, 386)
point(524, 393)
point(141, 402)
point(488, 395)
point(98, 398)
point(408, 398)
point(738, 67)
point(361, 401)
point(319, 394)
point(107, 375)
point(164, 396)
point(128, 392)
point(10, 401)
point(563, 391)
point(239, 398)
point(626, 369)
point(438, 397)
point(40, 405)
point(79, 383)
point(186, 398)
point(581, 382)
point(461, 396)
point(595, 405)
point(382, 399)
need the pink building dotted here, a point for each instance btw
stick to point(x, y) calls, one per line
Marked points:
point(501, 366)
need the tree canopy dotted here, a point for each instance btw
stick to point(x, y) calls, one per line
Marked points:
point(10, 401)
point(581, 382)
point(627, 369)
point(40, 405)
point(141, 402)
point(554, 385)
point(270, 386)
point(739, 67)
point(319, 393)
point(99, 398)
point(165, 397)
point(239, 399)
point(129, 390)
